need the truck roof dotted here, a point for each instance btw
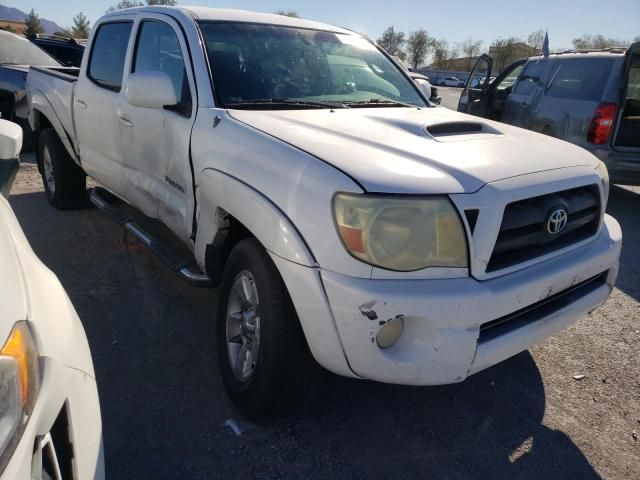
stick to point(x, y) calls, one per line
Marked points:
point(233, 15)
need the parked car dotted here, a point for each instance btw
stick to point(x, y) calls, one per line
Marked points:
point(49, 409)
point(451, 82)
point(68, 51)
point(359, 224)
point(424, 83)
point(590, 98)
point(16, 55)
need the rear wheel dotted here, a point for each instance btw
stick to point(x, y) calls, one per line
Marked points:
point(64, 182)
point(263, 355)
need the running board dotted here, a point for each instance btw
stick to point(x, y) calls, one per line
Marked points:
point(187, 268)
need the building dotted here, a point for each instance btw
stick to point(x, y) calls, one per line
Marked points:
point(13, 26)
point(505, 55)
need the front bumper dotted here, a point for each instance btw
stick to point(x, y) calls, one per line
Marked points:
point(442, 318)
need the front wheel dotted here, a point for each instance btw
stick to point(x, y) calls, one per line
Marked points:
point(263, 355)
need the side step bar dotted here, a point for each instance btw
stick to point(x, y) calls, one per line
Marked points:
point(189, 271)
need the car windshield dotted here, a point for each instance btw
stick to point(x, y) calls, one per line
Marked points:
point(15, 50)
point(266, 66)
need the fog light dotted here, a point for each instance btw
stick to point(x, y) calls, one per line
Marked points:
point(389, 334)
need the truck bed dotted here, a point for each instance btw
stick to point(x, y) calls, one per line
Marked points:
point(52, 88)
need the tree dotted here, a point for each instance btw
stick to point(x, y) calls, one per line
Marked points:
point(470, 50)
point(440, 48)
point(418, 47)
point(81, 26)
point(504, 51)
point(32, 24)
point(589, 41)
point(288, 13)
point(169, 3)
point(536, 39)
point(392, 42)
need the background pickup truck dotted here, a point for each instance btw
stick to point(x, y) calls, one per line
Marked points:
point(342, 217)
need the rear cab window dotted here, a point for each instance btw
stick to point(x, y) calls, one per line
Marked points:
point(108, 52)
point(580, 79)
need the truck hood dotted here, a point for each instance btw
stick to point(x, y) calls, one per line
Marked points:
point(12, 288)
point(410, 150)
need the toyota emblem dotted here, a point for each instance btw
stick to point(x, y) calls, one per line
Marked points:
point(556, 221)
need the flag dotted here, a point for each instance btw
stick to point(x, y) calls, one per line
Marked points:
point(545, 45)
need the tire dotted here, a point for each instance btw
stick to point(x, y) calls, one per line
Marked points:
point(65, 184)
point(273, 379)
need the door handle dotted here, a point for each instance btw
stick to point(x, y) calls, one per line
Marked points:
point(81, 104)
point(125, 122)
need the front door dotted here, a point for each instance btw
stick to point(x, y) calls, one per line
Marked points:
point(156, 156)
point(474, 98)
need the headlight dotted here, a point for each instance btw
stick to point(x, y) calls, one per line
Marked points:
point(602, 168)
point(19, 382)
point(401, 233)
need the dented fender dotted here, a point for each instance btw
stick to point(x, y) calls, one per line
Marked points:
point(219, 192)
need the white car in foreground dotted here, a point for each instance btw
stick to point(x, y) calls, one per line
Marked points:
point(50, 425)
point(338, 212)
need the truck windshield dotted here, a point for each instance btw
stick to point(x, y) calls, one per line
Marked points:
point(15, 50)
point(276, 67)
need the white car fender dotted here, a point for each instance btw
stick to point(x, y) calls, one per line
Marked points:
point(219, 192)
point(40, 106)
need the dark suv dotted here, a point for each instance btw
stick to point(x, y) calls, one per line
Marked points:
point(590, 98)
point(67, 51)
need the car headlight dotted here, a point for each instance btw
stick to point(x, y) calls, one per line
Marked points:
point(19, 382)
point(602, 168)
point(401, 233)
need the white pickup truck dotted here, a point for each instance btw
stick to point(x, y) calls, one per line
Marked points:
point(338, 211)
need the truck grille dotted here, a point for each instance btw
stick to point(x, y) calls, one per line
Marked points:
point(525, 232)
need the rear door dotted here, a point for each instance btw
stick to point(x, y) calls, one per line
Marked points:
point(95, 100)
point(520, 104)
point(155, 141)
point(571, 96)
point(474, 97)
point(627, 133)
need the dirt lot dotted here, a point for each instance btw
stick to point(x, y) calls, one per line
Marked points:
point(164, 408)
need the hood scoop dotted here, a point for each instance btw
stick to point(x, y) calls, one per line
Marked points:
point(462, 130)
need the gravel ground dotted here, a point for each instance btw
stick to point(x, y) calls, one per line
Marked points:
point(164, 408)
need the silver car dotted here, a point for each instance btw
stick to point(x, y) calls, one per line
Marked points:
point(590, 98)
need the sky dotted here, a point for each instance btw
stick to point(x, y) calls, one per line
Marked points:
point(452, 20)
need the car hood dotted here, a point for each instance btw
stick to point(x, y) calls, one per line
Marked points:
point(410, 150)
point(12, 288)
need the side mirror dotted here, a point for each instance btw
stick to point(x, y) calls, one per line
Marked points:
point(10, 146)
point(150, 90)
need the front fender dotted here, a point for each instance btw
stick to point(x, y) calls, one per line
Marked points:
point(218, 190)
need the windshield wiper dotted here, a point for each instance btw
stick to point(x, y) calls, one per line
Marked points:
point(284, 103)
point(378, 102)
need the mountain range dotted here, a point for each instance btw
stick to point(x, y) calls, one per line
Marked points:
point(10, 13)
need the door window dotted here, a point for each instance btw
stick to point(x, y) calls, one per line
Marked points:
point(158, 50)
point(580, 79)
point(530, 77)
point(106, 64)
point(510, 79)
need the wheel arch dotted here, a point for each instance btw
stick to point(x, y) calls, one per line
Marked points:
point(42, 116)
point(230, 210)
